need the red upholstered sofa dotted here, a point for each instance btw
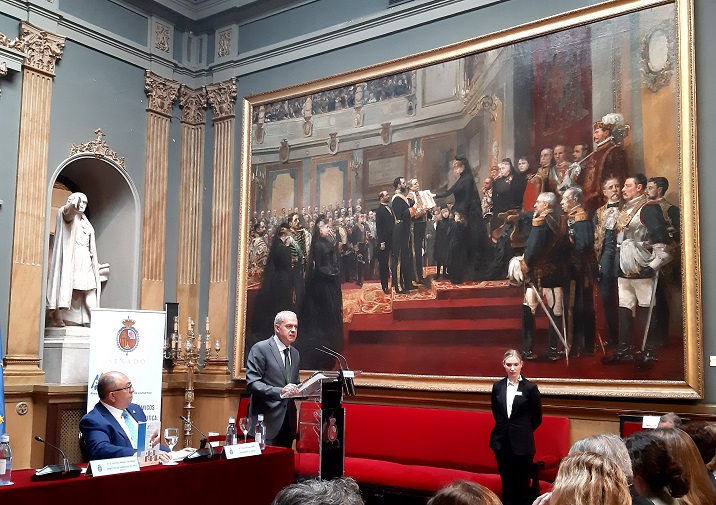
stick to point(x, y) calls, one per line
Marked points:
point(423, 449)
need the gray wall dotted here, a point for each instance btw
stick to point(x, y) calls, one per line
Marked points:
point(93, 89)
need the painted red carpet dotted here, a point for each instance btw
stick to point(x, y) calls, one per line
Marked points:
point(463, 330)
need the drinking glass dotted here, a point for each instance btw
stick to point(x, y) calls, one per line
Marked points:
point(171, 437)
point(244, 424)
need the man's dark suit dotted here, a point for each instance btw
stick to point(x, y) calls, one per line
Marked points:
point(264, 380)
point(512, 438)
point(384, 224)
point(402, 259)
point(103, 436)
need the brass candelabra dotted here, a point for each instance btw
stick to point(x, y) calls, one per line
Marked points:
point(186, 350)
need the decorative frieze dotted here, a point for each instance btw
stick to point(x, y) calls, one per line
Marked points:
point(161, 93)
point(222, 98)
point(224, 46)
point(162, 37)
point(193, 105)
point(99, 148)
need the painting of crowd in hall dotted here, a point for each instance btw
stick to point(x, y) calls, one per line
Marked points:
point(524, 196)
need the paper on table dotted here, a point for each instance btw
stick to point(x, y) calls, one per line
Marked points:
point(182, 453)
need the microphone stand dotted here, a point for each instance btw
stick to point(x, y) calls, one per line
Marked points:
point(55, 472)
point(199, 454)
point(347, 383)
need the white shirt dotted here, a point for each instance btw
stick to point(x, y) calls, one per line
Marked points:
point(118, 416)
point(511, 393)
point(281, 347)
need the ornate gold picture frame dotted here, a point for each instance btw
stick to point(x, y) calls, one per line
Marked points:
point(517, 91)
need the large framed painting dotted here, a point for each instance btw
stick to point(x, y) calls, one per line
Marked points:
point(456, 152)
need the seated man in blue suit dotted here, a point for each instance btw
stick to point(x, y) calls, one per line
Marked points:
point(109, 430)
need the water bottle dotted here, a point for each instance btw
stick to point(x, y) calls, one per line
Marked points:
point(231, 434)
point(5, 460)
point(260, 432)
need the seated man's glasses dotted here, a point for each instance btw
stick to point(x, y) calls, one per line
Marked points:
point(127, 387)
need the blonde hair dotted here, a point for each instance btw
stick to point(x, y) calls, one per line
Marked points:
point(511, 353)
point(609, 445)
point(588, 478)
point(683, 449)
point(462, 492)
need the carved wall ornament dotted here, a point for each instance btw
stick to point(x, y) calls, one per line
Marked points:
point(307, 126)
point(333, 143)
point(222, 98)
point(489, 105)
point(162, 37)
point(99, 149)
point(284, 151)
point(259, 133)
point(42, 49)
point(224, 45)
point(15, 43)
point(657, 56)
point(193, 105)
point(385, 134)
point(22, 408)
point(3, 68)
point(161, 93)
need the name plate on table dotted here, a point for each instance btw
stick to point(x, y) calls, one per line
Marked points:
point(242, 450)
point(114, 466)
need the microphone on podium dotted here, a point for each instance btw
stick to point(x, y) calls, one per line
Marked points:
point(199, 454)
point(53, 472)
point(346, 379)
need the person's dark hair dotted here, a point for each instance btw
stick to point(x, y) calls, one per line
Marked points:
point(463, 161)
point(396, 182)
point(343, 491)
point(462, 492)
point(640, 179)
point(651, 461)
point(257, 226)
point(661, 182)
point(704, 439)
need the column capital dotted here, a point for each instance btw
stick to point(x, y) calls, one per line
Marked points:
point(222, 98)
point(193, 105)
point(161, 93)
point(42, 49)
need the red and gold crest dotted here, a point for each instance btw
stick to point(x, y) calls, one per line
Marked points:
point(128, 336)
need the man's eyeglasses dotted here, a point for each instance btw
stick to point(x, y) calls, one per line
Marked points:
point(128, 387)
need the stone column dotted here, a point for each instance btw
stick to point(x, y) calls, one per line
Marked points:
point(161, 94)
point(193, 117)
point(42, 49)
point(222, 98)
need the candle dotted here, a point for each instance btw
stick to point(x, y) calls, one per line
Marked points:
point(207, 325)
point(217, 346)
point(176, 324)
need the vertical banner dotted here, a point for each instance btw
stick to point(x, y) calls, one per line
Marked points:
point(131, 342)
point(2, 390)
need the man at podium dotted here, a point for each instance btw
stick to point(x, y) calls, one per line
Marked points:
point(272, 370)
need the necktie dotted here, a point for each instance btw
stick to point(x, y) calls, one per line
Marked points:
point(610, 205)
point(287, 364)
point(132, 426)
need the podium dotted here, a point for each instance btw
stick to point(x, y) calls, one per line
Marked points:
point(326, 429)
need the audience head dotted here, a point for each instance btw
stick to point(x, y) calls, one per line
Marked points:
point(607, 445)
point(460, 164)
point(587, 478)
point(669, 420)
point(655, 471)
point(343, 491)
point(684, 451)
point(462, 492)
point(704, 438)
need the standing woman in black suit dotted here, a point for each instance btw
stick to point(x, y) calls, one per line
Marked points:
point(517, 408)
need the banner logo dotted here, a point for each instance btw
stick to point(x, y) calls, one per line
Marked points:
point(128, 337)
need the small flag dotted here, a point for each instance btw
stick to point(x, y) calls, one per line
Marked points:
point(2, 390)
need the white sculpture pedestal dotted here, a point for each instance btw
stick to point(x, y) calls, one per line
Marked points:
point(66, 355)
